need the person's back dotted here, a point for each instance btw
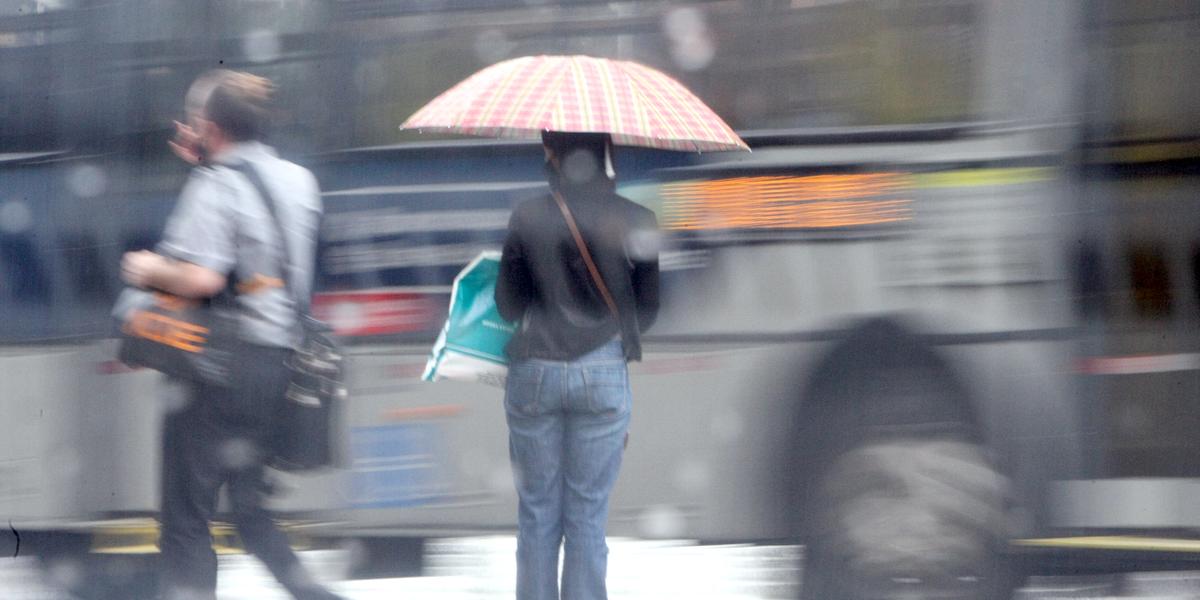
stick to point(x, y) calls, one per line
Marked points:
point(239, 235)
point(562, 312)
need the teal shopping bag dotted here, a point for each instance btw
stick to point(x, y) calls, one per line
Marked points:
point(471, 344)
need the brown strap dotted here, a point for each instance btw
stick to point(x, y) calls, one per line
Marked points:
point(587, 257)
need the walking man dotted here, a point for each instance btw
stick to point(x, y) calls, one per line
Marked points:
point(220, 237)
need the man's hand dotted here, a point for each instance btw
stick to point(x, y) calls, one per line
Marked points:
point(186, 144)
point(139, 268)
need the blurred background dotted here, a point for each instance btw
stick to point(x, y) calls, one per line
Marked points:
point(935, 337)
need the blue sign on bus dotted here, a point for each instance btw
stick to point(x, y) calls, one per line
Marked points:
point(397, 465)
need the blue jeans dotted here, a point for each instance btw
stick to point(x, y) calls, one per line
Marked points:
point(567, 424)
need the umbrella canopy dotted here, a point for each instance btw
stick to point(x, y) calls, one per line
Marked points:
point(522, 97)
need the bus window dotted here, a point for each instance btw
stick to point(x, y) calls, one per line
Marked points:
point(1196, 272)
point(139, 240)
point(25, 275)
point(85, 270)
point(1090, 284)
point(1150, 280)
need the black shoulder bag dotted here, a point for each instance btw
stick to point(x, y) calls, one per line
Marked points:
point(185, 338)
point(306, 436)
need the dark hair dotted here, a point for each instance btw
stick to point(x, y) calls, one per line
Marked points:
point(564, 145)
point(240, 105)
point(563, 141)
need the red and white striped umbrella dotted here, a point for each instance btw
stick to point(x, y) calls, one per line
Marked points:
point(522, 97)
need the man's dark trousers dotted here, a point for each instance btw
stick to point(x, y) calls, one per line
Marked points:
point(222, 436)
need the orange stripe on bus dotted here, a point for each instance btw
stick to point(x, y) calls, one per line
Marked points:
point(424, 412)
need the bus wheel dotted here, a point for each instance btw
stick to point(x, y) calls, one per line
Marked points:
point(68, 566)
point(907, 518)
point(386, 557)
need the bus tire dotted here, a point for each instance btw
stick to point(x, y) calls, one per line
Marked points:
point(386, 557)
point(907, 517)
point(68, 566)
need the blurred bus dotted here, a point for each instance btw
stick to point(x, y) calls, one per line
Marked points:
point(949, 296)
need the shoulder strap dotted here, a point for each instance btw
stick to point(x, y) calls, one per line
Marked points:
point(587, 257)
point(302, 304)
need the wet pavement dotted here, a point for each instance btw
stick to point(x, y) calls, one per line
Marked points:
point(478, 568)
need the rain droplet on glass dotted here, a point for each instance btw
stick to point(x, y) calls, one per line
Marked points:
point(644, 244)
point(491, 46)
point(580, 166)
point(237, 453)
point(261, 46)
point(662, 522)
point(694, 53)
point(87, 181)
point(15, 217)
point(66, 573)
point(684, 23)
point(369, 77)
point(175, 397)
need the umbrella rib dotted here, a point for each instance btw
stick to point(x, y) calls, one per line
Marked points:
point(441, 109)
point(614, 103)
point(541, 108)
point(486, 78)
point(535, 79)
point(687, 99)
point(713, 124)
point(689, 134)
point(454, 107)
point(671, 102)
point(651, 106)
point(558, 120)
point(677, 127)
point(696, 110)
point(435, 109)
point(639, 107)
point(500, 91)
point(581, 91)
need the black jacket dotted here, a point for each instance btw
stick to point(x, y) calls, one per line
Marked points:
point(545, 287)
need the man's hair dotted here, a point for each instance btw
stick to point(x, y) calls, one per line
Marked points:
point(237, 102)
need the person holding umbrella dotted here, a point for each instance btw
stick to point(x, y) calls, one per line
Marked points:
point(579, 276)
point(581, 310)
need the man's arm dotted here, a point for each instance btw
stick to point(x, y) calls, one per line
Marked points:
point(146, 269)
point(198, 246)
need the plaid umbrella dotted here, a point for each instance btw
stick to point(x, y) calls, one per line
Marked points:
point(522, 97)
